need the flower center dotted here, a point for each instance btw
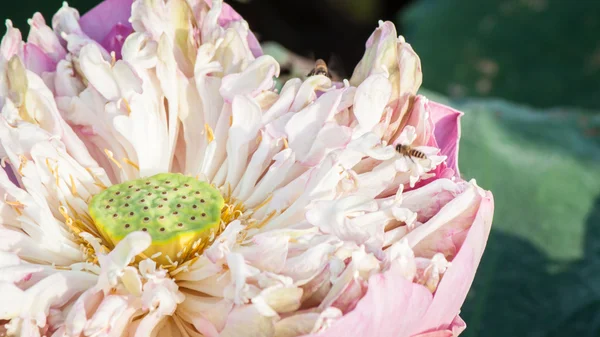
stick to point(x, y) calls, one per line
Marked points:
point(181, 214)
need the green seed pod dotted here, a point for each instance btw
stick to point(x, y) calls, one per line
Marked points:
point(176, 211)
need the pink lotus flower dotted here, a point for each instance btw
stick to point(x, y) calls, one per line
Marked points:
point(164, 188)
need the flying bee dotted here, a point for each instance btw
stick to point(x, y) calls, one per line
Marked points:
point(408, 151)
point(320, 69)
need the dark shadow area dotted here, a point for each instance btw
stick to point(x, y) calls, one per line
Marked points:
point(518, 291)
point(330, 30)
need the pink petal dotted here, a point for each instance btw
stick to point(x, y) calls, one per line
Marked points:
point(116, 38)
point(458, 326)
point(390, 308)
point(395, 307)
point(36, 60)
point(228, 15)
point(105, 22)
point(11, 175)
point(446, 132)
point(456, 282)
point(11, 41)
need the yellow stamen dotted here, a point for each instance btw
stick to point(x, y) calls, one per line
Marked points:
point(231, 120)
point(68, 220)
point(97, 181)
point(73, 185)
point(127, 106)
point(22, 162)
point(126, 160)
point(285, 143)
point(261, 223)
point(264, 202)
point(110, 156)
point(15, 205)
point(56, 176)
point(210, 136)
point(259, 138)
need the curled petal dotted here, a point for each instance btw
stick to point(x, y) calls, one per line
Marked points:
point(457, 280)
point(447, 132)
point(254, 79)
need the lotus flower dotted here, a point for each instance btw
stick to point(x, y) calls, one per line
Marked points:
point(162, 187)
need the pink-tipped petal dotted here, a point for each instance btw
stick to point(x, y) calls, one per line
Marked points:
point(11, 41)
point(101, 21)
point(228, 15)
point(446, 132)
point(36, 60)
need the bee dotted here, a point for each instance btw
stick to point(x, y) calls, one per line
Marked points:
point(408, 151)
point(320, 69)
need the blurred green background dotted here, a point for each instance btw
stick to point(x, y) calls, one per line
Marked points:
point(527, 75)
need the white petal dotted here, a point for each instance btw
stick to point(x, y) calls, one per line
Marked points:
point(246, 321)
point(13, 300)
point(268, 251)
point(284, 102)
point(296, 325)
point(110, 310)
point(371, 98)
point(246, 122)
point(254, 79)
